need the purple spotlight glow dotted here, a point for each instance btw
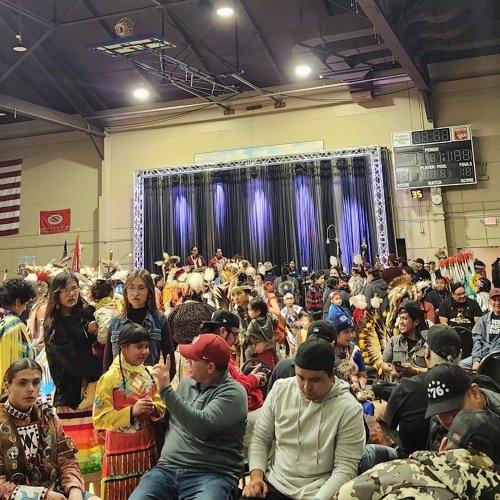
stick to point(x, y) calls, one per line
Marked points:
point(182, 217)
point(307, 222)
point(260, 214)
point(219, 206)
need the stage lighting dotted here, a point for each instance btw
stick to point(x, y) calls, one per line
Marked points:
point(253, 172)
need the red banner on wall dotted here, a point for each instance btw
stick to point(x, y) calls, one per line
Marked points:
point(55, 221)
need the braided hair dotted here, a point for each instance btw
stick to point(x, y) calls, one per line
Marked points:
point(131, 333)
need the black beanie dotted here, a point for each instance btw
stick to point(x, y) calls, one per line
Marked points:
point(316, 354)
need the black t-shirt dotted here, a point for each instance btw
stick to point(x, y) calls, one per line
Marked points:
point(460, 314)
point(406, 408)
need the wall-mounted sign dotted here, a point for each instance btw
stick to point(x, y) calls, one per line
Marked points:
point(437, 157)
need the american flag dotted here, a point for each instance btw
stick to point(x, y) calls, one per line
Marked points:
point(10, 196)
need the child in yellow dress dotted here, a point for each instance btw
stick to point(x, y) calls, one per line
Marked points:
point(126, 403)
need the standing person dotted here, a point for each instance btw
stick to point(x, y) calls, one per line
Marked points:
point(159, 286)
point(318, 429)
point(140, 307)
point(393, 271)
point(186, 317)
point(291, 314)
point(260, 333)
point(218, 263)
point(195, 260)
point(126, 403)
point(202, 457)
point(459, 310)
point(15, 293)
point(106, 308)
point(294, 272)
point(357, 281)
point(376, 286)
point(69, 332)
point(314, 295)
point(38, 458)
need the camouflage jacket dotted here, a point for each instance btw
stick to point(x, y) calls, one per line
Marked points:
point(425, 475)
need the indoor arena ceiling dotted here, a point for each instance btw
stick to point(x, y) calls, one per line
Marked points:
point(66, 74)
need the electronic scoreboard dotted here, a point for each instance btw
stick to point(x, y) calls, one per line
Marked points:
point(436, 157)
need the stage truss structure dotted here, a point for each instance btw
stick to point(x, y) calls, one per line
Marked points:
point(373, 153)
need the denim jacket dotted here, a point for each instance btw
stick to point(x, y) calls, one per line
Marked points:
point(153, 323)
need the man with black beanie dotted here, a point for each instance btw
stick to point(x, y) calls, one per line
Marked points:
point(318, 427)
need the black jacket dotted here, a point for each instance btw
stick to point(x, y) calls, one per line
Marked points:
point(70, 357)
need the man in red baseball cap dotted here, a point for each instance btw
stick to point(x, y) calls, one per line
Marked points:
point(203, 452)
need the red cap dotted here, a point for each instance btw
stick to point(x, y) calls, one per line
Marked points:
point(207, 347)
point(494, 292)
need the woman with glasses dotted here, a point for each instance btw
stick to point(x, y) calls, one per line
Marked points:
point(69, 332)
point(140, 307)
point(15, 294)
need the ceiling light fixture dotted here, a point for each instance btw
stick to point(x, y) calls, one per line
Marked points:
point(225, 8)
point(141, 93)
point(19, 46)
point(302, 70)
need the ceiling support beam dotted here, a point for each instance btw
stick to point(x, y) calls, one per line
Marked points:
point(377, 18)
point(35, 111)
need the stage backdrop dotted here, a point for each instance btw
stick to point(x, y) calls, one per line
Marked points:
point(269, 213)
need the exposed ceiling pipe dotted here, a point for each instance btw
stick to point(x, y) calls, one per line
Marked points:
point(35, 111)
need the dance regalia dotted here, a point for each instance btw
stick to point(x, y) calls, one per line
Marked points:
point(130, 449)
point(14, 343)
point(35, 453)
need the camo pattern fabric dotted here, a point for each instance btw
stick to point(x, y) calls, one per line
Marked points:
point(426, 475)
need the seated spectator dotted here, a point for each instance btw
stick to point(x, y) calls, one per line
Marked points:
point(466, 466)
point(421, 290)
point(407, 405)
point(312, 417)
point(449, 390)
point(404, 353)
point(486, 333)
point(202, 456)
point(227, 325)
point(459, 310)
point(38, 458)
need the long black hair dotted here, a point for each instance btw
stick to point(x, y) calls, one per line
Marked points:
point(80, 310)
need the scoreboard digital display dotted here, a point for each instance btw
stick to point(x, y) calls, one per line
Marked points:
point(437, 157)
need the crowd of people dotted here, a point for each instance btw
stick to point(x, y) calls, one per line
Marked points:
point(170, 386)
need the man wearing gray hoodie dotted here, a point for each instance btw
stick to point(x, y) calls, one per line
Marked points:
point(319, 432)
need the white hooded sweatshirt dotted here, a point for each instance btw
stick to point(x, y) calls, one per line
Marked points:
point(318, 443)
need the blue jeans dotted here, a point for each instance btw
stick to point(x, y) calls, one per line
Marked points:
point(466, 363)
point(166, 483)
point(375, 454)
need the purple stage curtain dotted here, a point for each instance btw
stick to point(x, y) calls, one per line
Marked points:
point(274, 213)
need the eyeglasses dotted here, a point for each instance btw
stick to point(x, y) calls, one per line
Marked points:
point(69, 291)
point(136, 289)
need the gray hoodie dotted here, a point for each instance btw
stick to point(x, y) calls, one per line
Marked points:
point(377, 287)
point(318, 443)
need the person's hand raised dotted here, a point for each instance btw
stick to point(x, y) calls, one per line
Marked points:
point(162, 373)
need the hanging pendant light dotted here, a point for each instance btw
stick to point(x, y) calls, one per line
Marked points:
point(19, 46)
